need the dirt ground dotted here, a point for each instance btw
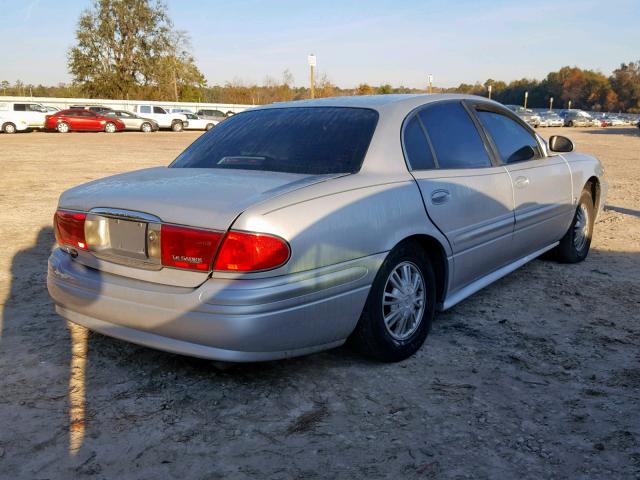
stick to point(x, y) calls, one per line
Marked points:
point(537, 376)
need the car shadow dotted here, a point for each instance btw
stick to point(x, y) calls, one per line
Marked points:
point(625, 211)
point(630, 131)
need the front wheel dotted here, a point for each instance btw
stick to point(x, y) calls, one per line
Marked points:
point(146, 127)
point(110, 127)
point(209, 126)
point(400, 307)
point(574, 246)
point(177, 126)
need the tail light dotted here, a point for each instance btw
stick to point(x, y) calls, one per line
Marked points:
point(245, 252)
point(189, 248)
point(69, 229)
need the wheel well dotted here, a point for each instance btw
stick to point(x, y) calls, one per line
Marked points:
point(438, 258)
point(593, 184)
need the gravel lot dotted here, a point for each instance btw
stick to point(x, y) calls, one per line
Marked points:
point(537, 376)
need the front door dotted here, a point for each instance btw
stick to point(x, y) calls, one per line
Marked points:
point(541, 184)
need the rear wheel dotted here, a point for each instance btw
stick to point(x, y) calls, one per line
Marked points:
point(110, 127)
point(209, 126)
point(145, 127)
point(571, 123)
point(63, 127)
point(400, 307)
point(177, 126)
point(9, 128)
point(574, 246)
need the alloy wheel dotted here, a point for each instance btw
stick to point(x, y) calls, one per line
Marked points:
point(403, 301)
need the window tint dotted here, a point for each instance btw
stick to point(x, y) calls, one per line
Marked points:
point(145, 109)
point(308, 140)
point(158, 110)
point(416, 146)
point(514, 142)
point(454, 137)
point(19, 107)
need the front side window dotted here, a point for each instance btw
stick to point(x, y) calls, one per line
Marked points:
point(455, 139)
point(158, 110)
point(416, 146)
point(514, 142)
point(306, 140)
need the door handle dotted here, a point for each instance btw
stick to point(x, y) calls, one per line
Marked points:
point(439, 197)
point(521, 182)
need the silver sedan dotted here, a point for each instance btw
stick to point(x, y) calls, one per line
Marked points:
point(294, 227)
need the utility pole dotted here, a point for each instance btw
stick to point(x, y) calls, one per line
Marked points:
point(551, 104)
point(569, 104)
point(430, 83)
point(526, 97)
point(312, 64)
point(490, 88)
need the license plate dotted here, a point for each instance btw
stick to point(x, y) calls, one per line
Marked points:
point(116, 237)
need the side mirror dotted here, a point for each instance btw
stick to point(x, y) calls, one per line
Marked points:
point(558, 143)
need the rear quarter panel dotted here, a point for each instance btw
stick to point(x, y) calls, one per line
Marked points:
point(342, 219)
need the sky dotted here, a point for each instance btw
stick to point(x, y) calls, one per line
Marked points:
point(377, 41)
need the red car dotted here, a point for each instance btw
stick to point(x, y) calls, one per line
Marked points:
point(82, 121)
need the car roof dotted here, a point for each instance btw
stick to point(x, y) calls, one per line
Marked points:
point(403, 102)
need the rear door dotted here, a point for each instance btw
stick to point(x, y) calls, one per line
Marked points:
point(467, 196)
point(542, 186)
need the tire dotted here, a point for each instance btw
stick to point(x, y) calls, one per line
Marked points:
point(209, 126)
point(110, 127)
point(9, 128)
point(571, 123)
point(403, 337)
point(177, 126)
point(574, 246)
point(145, 127)
point(63, 127)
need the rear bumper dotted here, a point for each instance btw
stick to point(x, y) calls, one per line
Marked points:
point(222, 319)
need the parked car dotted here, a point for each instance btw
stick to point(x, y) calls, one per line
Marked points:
point(173, 121)
point(527, 115)
point(293, 227)
point(17, 112)
point(197, 123)
point(81, 120)
point(93, 108)
point(11, 125)
point(211, 114)
point(550, 119)
point(133, 122)
point(614, 121)
point(577, 118)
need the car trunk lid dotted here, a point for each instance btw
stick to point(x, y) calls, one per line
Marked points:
point(126, 211)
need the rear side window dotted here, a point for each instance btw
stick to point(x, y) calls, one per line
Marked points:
point(454, 136)
point(416, 147)
point(514, 142)
point(307, 140)
point(19, 107)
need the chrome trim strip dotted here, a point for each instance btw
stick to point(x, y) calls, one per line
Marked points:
point(126, 214)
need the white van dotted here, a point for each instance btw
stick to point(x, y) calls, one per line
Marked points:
point(174, 121)
point(30, 112)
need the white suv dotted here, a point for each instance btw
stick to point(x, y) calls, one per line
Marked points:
point(18, 113)
point(174, 121)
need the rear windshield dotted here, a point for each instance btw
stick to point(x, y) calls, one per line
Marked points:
point(309, 140)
